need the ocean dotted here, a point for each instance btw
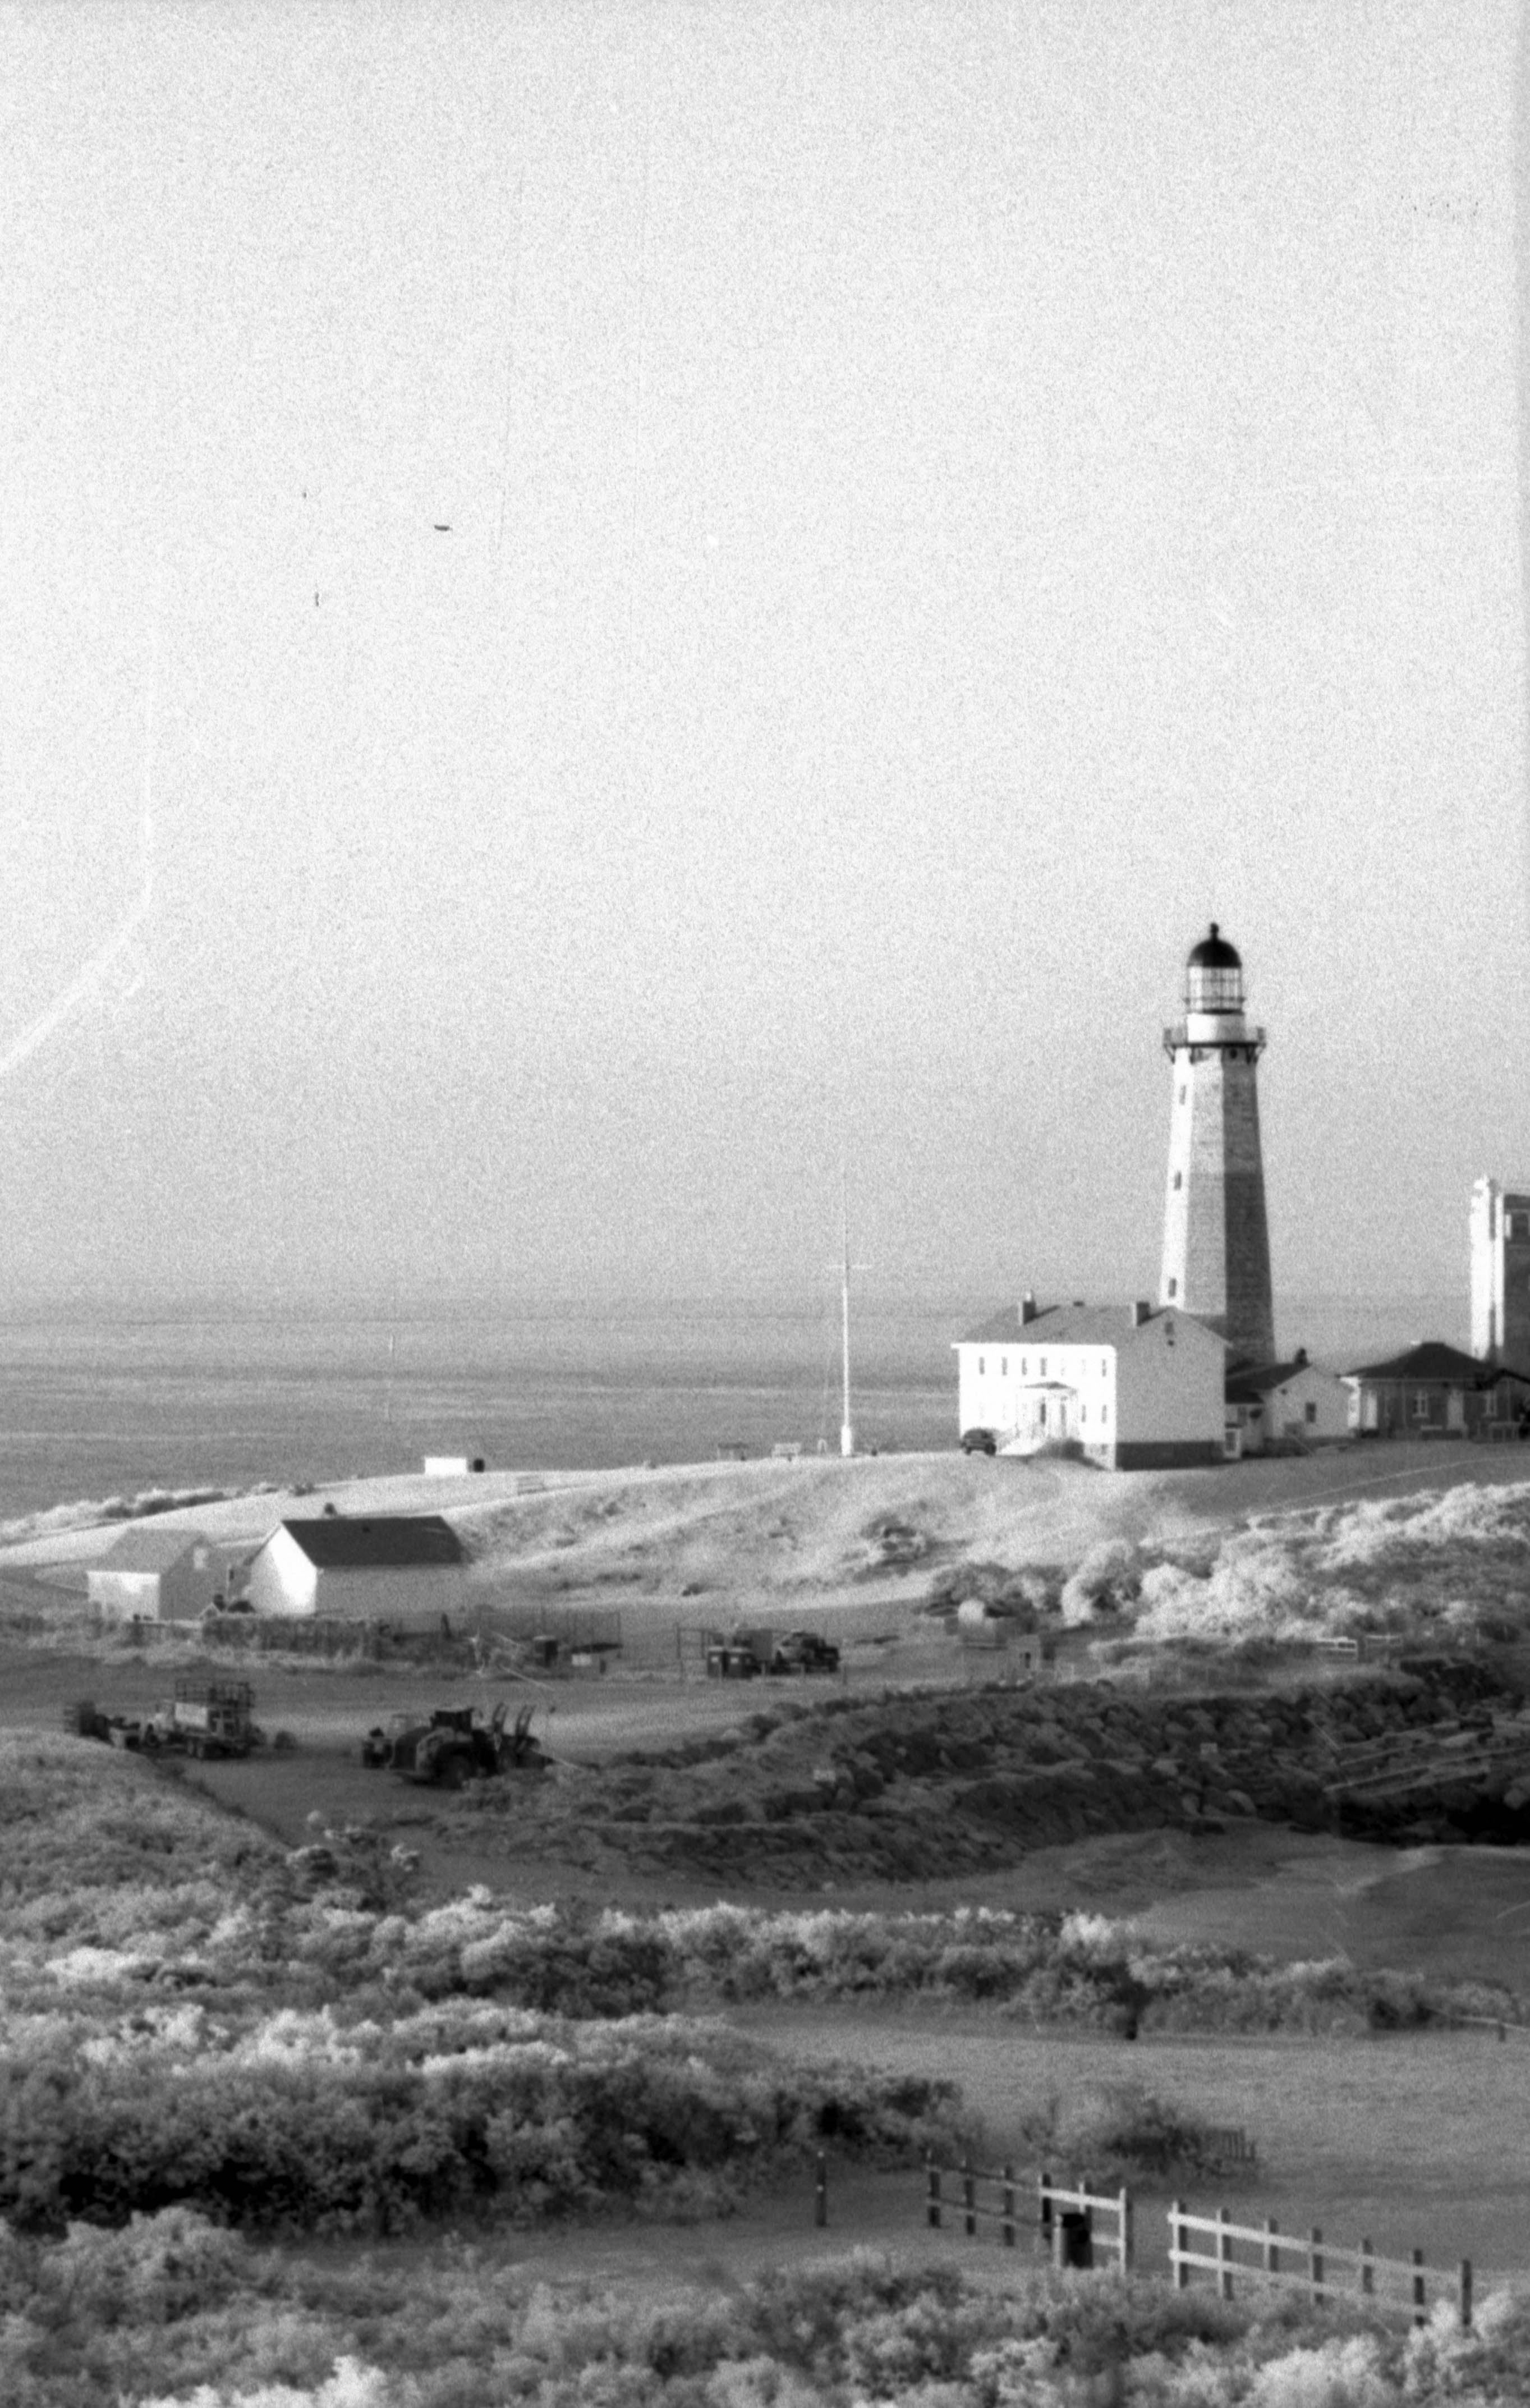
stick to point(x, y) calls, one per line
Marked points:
point(95, 1405)
point(99, 1406)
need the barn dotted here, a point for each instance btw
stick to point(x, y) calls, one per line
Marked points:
point(376, 1567)
point(151, 1574)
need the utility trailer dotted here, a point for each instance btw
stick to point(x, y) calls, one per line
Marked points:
point(204, 1718)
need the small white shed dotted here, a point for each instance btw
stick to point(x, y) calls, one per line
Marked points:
point(1287, 1404)
point(373, 1567)
point(158, 1575)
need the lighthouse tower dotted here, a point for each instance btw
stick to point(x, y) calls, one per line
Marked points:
point(1216, 1236)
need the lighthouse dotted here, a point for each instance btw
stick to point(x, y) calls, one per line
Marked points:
point(1216, 1234)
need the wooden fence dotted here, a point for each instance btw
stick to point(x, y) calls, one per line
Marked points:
point(1063, 2219)
point(1064, 2225)
point(1230, 2146)
point(1387, 2285)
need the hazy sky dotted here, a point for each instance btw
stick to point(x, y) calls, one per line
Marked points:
point(942, 501)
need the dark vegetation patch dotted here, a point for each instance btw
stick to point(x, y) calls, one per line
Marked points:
point(924, 1784)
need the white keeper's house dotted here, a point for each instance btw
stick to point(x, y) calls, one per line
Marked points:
point(1135, 1388)
point(381, 1567)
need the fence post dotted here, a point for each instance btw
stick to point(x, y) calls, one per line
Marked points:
point(1465, 2295)
point(1315, 2262)
point(1044, 2210)
point(1224, 2256)
point(1367, 2271)
point(1007, 2229)
point(1176, 2242)
point(820, 2191)
point(1272, 2246)
point(1419, 2318)
point(1124, 2229)
point(969, 2199)
point(933, 2210)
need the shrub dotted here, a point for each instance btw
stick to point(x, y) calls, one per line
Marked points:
point(1106, 1580)
point(309, 2126)
point(320, 2331)
point(1120, 2129)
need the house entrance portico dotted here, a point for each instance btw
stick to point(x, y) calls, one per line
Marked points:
point(1046, 1415)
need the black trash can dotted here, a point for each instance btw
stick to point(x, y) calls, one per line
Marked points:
point(1075, 2236)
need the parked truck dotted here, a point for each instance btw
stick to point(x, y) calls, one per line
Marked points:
point(756, 1650)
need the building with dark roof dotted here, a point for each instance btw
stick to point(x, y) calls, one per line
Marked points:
point(1130, 1386)
point(379, 1566)
point(1286, 1405)
point(1435, 1391)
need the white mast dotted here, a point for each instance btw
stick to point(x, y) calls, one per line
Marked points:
point(847, 1427)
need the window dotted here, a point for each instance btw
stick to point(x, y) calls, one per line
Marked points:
point(1003, 1366)
point(1104, 1367)
point(1173, 1289)
point(1043, 1367)
point(1310, 1410)
point(1420, 1405)
point(1083, 1412)
point(1104, 1416)
point(981, 1366)
point(1179, 1179)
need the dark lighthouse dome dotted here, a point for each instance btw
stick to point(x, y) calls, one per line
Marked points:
point(1215, 952)
point(1214, 975)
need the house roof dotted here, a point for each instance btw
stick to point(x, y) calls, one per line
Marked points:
point(378, 1542)
point(1258, 1379)
point(141, 1550)
point(1074, 1324)
point(1432, 1360)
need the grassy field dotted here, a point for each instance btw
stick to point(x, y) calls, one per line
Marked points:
point(1416, 2140)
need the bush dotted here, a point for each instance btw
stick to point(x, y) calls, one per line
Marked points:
point(1118, 2129)
point(1106, 1582)
point(464, 2332)
point(311, 2126)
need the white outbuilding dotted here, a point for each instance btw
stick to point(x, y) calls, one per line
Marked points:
point(1135, 1387)
point(1287, 1405)
point(382, 1567)
point(152, 1574)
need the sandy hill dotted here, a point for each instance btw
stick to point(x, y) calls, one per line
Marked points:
point(708, 1541)
point(819, 1531)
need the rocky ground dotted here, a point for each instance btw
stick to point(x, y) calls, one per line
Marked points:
point(920, 1785)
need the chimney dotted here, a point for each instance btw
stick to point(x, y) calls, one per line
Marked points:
point(1301, 1355)
point(1027, 1308)
point(1141, 1312)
